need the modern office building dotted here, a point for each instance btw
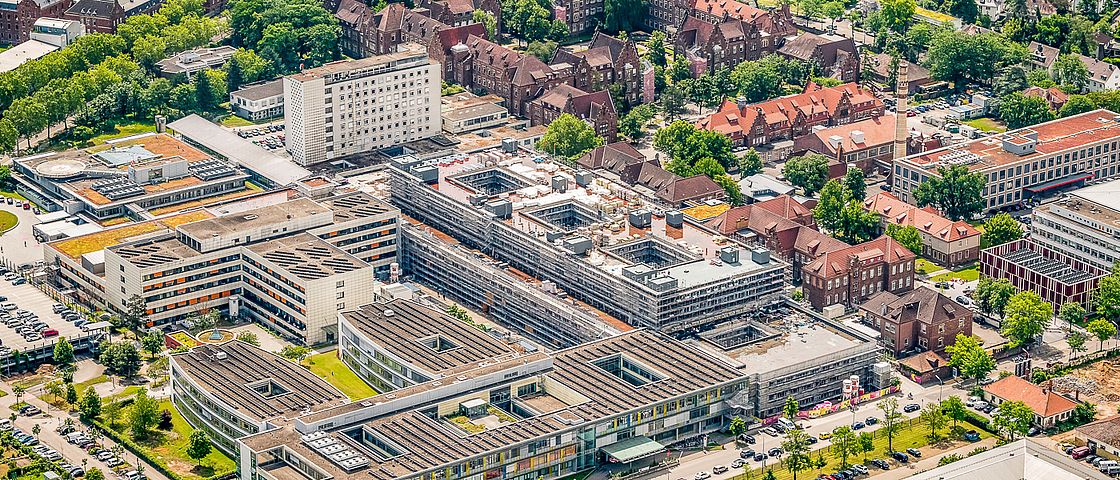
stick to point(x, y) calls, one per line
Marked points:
point(1084, 226)
point(538, 310)
point(235, 389)
point(288, 263)
point(131, 177)
point(500, 413)
point(1057, 277)
point(353, 106)
point(600, 242)
point(1024, 164)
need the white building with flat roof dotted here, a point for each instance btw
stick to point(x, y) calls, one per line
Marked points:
point(1084, 226)
point(353, 106)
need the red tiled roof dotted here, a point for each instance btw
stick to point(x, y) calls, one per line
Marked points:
point(835, 263)
point(737, 122)
point(1044, 403)
point(926, 219)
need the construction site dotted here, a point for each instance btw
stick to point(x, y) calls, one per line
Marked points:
point(1098, 383)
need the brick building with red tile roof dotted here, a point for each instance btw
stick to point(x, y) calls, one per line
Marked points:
point(946, 242)
point(851, 275)
point(1048, 406)
point(789, 118)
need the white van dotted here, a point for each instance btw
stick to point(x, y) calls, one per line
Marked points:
point(5, 425)
point(1105, 464)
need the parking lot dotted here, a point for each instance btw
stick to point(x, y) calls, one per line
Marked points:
point(28, 298)
point(268, 137)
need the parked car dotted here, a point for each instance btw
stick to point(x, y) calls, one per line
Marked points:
point(860, 469)
point(760, 457)
point(811, 440)
point(717, 470)
point(775, 452)
point(963, 300)
point(702, 476)
point(770, 431)
point(901, 457)
point(871, 421)
point(915, 452)
point(738, 463)
point(880, 463)
point(913, 407)
point(112, 462)
point(857, 426)
point(825, 435)
point(748, 454)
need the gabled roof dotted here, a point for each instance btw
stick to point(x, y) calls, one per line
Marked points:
point(923, 305)
point(451, 36)
point(1043, 402)
point(923, 362)
point(696, 186)
point(490, 53)
point(1105, 430)
point(836, 263)
point(926, 220)
point(391, 17)
point(731, 119)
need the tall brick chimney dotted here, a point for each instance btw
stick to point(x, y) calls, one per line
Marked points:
point(900, 130)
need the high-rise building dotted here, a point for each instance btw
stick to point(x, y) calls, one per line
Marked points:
point(353, 106)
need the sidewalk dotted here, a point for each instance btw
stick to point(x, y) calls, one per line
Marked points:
point(51, 419)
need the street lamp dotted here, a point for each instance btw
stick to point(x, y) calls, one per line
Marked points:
point(941, 387)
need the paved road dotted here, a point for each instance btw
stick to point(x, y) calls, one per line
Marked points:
point(50, 420)
point(18, 245)
point(705, 461)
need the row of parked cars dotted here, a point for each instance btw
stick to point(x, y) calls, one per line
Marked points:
point(43, 451)
point(105, 456)
point(1106, 466)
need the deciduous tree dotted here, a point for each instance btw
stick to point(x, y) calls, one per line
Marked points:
point(198, 446)
point(1020, 110)
point(1014, 418)
point(1000, 229)
point(957, 193)
point(569, 137)
point(1103, 329)
point(810, 172)
point(970, 358)
point(907, 236)
point(844, 444)
point(892, 419)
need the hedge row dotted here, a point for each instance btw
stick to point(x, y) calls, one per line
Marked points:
point(144, 454)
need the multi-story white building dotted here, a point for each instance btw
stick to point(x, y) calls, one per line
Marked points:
point(353, 106)
point(1023, 164)
point(258, 101)
point(1083, 226)
point(289, 264)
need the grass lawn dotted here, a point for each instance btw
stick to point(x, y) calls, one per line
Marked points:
point(6, 193)
point(236, 121)
point(8, 220)
point(909, 436)
point(967, 274)
point(987, 125)
point(977, 224)
point(82, 386)
point(124, 130)
point(926, 266)
point(330, 368)
point(170, 446)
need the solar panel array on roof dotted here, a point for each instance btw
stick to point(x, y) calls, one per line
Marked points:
point(211, 169)
point(118, 188)
point(338, 453)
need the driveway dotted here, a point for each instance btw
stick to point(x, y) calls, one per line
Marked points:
point(18, 245)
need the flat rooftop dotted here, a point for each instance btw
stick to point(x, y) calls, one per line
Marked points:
point(798, 342)
point(594, 215)
point(259, 384)
point(405, 51)
point(253, 219)
point(1052, 137)
point(355, 205)
point(427, 338)
point(306, 256)
point(261, 90)
point(77, 246)
point(605, 377)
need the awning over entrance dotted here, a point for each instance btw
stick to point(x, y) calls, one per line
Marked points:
point(633, 448)
point(1059, 182)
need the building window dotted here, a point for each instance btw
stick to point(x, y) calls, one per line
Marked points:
point(341, 306)
point(340, 295)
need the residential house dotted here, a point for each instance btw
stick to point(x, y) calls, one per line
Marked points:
point(851, 275)
point(723, 45)
point(925, 367)
point(788, 118)
point(1041, 55)
point(1048, 406)
point(515, 77)
point(784, 226)
point(597, 109)
point(458, 13)
point(620, 161)
point(917, 76)
point(1054, 96)
point(103, 16)
point(916, 321)
point(836, 57)
point(945, 242)
point(607, 61)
